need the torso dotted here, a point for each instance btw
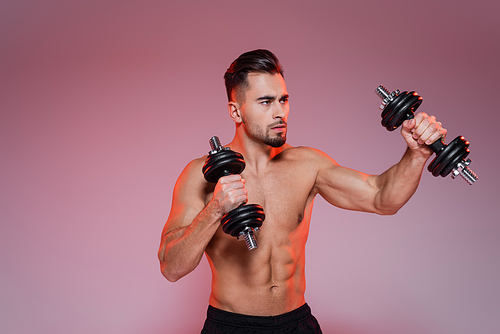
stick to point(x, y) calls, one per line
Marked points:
point(269, 280)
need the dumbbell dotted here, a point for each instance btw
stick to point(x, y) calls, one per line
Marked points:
point(398, 107)
point(244, 221)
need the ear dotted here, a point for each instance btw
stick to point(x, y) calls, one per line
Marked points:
point(234, 111)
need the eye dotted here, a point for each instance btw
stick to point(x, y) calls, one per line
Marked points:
point(284, 100)
point(265, 102)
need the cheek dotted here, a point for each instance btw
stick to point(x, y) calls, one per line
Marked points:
point(250, 119)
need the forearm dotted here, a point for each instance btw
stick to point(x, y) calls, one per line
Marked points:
point(398, 184)
point(181, 249)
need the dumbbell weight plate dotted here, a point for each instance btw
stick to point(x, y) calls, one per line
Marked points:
point(451, 155)
point(225, 162)
point(400, 109)
point(250, 215)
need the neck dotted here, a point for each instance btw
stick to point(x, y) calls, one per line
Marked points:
point(256, 153)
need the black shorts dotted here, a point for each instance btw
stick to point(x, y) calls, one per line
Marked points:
point(295, 322)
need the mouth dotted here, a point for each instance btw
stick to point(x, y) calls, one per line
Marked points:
point(279, 127)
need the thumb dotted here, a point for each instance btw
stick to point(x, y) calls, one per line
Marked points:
point(408, 125)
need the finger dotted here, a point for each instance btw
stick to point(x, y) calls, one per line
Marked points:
point(235, 198)
point(430, 133)
point(439, 134)
point(423, 126)
point(231, 181)
point(237, 193)
point(228, 187)
point(420, 118)
point(230, 178)
point(408, 125)
point(242, 199)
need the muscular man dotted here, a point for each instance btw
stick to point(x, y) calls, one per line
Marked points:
point(264, 288)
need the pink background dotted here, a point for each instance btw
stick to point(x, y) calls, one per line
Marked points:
point(104, 102)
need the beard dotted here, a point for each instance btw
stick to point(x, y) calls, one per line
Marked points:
point(263, 135)
point(278, 141)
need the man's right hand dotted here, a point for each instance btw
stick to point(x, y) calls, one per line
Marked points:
point(229, 193)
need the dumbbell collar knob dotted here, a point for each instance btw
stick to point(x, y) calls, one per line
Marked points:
point(464, 171)
point(386, 97)
point(222, 148)
point(216, 146)
point(248, 234)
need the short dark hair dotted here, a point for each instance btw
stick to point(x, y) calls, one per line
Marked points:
point(256, 61)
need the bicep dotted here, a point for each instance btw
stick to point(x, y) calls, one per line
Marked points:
point(346, 188)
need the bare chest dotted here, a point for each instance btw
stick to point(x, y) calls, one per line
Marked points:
point(284, 193)
point(284, 190)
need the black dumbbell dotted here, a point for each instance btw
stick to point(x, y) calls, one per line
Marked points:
point(398, 107)
point(245, 220)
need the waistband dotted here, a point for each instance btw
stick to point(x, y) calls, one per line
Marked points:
point(236, 319)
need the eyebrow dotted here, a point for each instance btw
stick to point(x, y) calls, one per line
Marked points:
point(266, 97)
point(270, 97)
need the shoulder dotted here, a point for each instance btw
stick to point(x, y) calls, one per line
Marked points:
point(194, 167)
point(308, 155)
point(191, 181)
point(193, 170)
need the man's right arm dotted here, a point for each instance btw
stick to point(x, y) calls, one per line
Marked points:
point(191, 225)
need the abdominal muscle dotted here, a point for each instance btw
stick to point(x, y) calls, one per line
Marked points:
point(267, 281)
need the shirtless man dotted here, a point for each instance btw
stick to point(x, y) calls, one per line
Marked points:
point(265, 287)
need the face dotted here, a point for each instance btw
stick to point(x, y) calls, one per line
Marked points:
point(264, 112)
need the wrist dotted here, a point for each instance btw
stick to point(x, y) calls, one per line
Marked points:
point(419, 155)
point(214, 209)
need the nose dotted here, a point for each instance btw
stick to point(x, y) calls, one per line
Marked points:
point(279, 111)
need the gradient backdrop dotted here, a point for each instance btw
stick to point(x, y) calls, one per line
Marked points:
point(103, 103)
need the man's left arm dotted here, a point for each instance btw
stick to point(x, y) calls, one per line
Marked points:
point(388, 192)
